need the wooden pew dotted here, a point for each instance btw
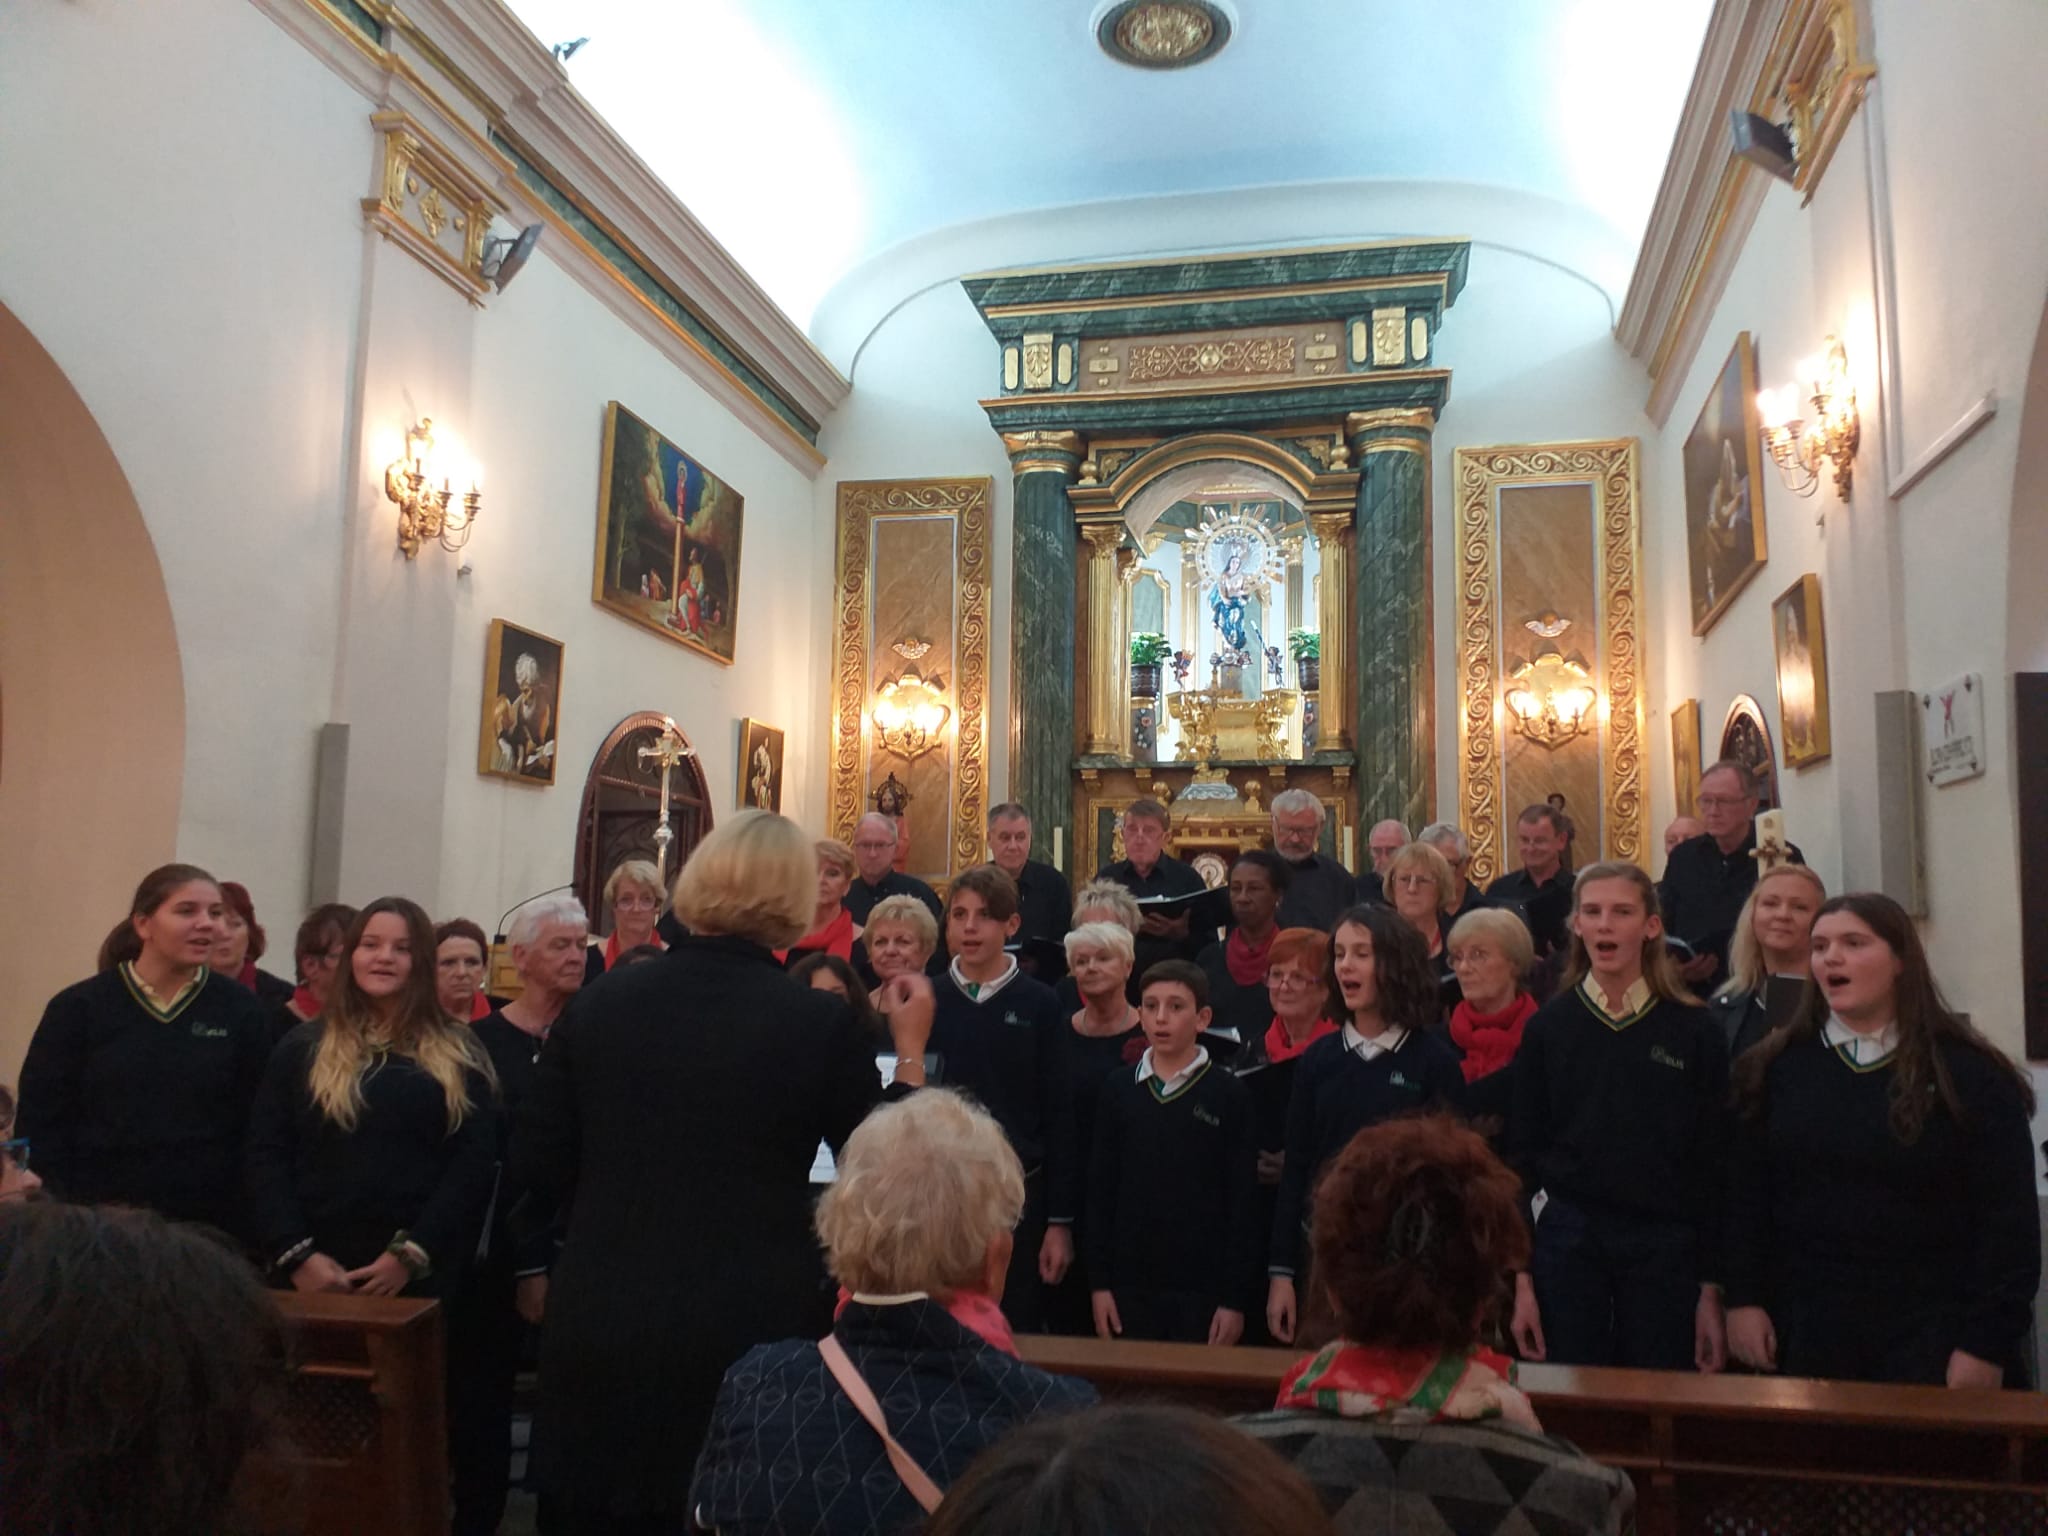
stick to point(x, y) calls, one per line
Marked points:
point(364, 1421)
point(1767, 1456)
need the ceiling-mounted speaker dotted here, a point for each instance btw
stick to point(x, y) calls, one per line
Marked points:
point(1763, 143)
point(503, 257)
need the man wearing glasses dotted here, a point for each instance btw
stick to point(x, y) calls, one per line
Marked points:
point(1708, 878)
point(874, 853)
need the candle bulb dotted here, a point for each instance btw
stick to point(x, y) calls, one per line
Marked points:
point(1350, 859)
point(1059, 860)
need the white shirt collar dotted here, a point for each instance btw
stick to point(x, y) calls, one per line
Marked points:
point(1146, 1071)
point(1386, 1040)
point(1864, 1050)
point(982, 991)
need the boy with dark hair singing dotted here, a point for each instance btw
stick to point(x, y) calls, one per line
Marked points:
point(1173, 1239)
point(1001, 1036)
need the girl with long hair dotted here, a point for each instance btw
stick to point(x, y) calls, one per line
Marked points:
point(138, 1081)
point(1770, 959)
point(1883, 1224)
point(1385, 1060)
point(1618, 1120)
point(372, 1146)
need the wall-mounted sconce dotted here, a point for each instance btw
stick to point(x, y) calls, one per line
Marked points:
point(427, 510)
point(1799, 447)
point(1551, 698)
point(910, 714)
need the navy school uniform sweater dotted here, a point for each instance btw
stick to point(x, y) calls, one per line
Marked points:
point(1009, 1051)
point(1173, 1188)
point(1828, 1205)
point(1336, 1095)
point(1626, 1116)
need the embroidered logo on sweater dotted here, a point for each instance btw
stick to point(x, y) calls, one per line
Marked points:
point(1396, 1080)
point(201, 1030)
point(1665, 1058)
point(1205, 1115)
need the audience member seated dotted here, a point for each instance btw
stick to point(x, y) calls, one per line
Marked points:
point(140, 1365)
point(1456, 848)
point(1318, 888)
point(833, 930)
point(1173, 1240)
point(1147, 871)
point(863, 1431)
point(634, 896)
point(1405, 1422)
point(1044, 901)
point(1421, 888)
point(1387, 1060)
point(316, 959)
point(1707, 878)
point(829, 973)
point(1883, 1223)
point(1126, 1471)
point(1619, 1120)
point(17, 1181)
point(1770, 962)
point(462, 957)
point(1491, 955)
point(138, 1081)
point(1236, 963)
point(241, 944)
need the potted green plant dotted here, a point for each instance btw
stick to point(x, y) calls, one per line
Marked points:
point(1306, 647)
point(1148, 654)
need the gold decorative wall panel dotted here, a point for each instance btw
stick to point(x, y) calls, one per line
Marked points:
point(1578, 544)
point(913, 570)
point(428, 204)
point(1251, 356)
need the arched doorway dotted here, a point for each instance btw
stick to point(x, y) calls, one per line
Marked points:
point(621, 805)
point(93, 758)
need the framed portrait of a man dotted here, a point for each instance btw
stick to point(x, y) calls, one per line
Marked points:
point(1724, 491)
point(1800, 642)
point(760, 775)
point(521, 705)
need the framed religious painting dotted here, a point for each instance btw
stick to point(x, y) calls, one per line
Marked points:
point(521, 705)
point(1746, 739)
point(1724, 497)
point(760, 775)
point(1685, 758)
point(1800, 641)
point(668, 539)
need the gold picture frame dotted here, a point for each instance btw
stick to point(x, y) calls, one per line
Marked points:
point(1724, 491)
point(758, 783)
point(1799, 642)
point(1685, 758)
point(517, 729)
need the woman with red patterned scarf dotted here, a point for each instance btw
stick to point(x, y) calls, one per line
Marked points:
point(1491, 954)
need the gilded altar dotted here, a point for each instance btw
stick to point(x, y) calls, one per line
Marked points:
point(1213, 723)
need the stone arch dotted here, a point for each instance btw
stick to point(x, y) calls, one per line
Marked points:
point(92, 694)
point(1158, 477)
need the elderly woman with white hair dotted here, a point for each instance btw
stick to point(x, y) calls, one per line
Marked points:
point(676, 1113)
point(917, 1233)
point(633, 895)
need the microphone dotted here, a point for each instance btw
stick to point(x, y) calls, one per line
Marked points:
point(536, 896)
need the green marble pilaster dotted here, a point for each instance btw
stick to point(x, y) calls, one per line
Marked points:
point(1042, 628)
point(1396, 683)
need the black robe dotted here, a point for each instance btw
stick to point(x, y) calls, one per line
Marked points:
point(677, 1108)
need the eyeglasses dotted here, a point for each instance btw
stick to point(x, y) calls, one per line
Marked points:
point(1721, 802)
point(1285, 979)
point(872, 847)
point(16, 1152)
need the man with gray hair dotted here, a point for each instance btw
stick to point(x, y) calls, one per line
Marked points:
point(1320, 888)
point(1708, 878)
point(1456, 848)
point(874, 855)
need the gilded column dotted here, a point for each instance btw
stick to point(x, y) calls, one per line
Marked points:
point(1333, 615)
point(1128, 559)
point(1042, 625)
point(1190, 601)
point(1292, 546)
point(1396, 686)
point(1105, 737)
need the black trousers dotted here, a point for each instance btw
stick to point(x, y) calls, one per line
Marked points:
point(1173, 1317)
point(1615, 1288)
point(1839, 1334)
point(1023, 1291)
point(484, 1333)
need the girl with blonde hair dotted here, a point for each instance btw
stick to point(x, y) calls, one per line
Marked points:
point(1770, 961)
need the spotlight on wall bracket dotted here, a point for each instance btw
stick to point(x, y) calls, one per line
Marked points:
point(1763, 143)
point(504, 255)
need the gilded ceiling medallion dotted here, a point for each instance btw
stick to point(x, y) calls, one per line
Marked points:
point(1162, 34)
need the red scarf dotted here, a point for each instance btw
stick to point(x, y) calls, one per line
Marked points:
point(1490, 1040)
point(972, 1310)
point(835, 938)
point(1358, 1381)
point(247, 974)
point(1248, 964)
point(612, 950)
point(1280, 1048)
point(304, 1003)
point(479, 1006)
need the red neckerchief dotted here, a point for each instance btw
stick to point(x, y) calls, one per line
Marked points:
point(1490, 1040)
point(972, 1310)
point(1358, 1381)
point(612, 950)
point(1280, 1048)
point(1247, 964)
point(247, 974)
point(304, 1003)
point(479, 1006)
point(835, 938)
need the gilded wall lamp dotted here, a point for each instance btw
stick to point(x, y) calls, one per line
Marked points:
point(1551, 697)
point(427, 510)
point(1799, 447)
point(910, 714)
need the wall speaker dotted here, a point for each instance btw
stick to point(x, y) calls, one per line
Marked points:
point(1901, 868)
point(1763, 143)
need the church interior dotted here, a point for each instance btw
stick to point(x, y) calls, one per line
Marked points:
point(452, 448)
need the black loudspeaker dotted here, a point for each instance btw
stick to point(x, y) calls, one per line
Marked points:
point(1763, 143)
point(1901, 866)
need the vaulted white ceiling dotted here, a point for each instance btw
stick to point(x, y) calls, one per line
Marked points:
point(814, 137)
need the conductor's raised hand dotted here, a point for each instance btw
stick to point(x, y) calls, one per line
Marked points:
point(907, 1003)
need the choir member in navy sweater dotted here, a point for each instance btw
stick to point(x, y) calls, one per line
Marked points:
point(1000, 1036)
point(1619, 1118)
point(1236, 964)
point(1385, 1061)
point(1172, 1239)
point(1882, 1221)
point(137, 1084)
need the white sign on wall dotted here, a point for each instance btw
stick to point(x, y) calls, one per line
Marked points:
point(1952, 729)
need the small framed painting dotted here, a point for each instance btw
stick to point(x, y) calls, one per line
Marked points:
point(521, 704)
point(760, 775)
point(1724, 491)
point(1801, 643)
point(1685, 757)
